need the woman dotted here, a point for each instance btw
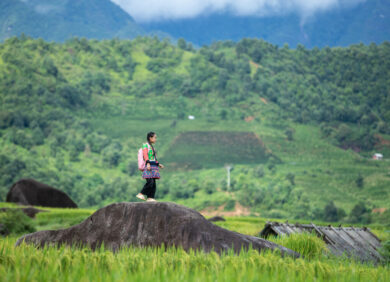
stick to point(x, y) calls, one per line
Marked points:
point(151, 172)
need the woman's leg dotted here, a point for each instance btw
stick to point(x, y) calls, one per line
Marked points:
point(153, 189)
point(148, 189)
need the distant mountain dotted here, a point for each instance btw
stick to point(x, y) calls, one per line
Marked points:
point(57, 20)
point(367, 22)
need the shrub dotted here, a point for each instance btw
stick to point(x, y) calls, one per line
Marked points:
point(209, 186)
point(332, 213)
point(308, 245)
point(290, 134)
point(291, 177)
point(131, 168)
point(385, 251)
point(360, 181)
point(16, 222)
point(259, 171)
point(230, 205)
point(181, 191)
point(360, 214)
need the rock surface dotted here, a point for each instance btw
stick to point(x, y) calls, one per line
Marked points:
point(216, 218)
point(150, 224)
point(32, 192)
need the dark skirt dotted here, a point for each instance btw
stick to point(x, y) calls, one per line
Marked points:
point(152, 173)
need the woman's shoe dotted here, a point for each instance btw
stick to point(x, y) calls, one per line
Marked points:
point(151, 200)
point(141, 196)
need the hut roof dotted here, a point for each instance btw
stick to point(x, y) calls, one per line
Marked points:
point(360, 243)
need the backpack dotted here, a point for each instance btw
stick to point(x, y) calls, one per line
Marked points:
point(141, 161)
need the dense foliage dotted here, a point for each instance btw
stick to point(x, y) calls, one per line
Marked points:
point(14, 221)
point(73, 115)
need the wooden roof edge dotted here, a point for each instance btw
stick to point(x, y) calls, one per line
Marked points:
point(367, 247)
point(367, 241)
point(277, 223)
point(312, 225)
point(369, 231)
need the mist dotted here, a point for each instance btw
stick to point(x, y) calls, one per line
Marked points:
point(157, 10)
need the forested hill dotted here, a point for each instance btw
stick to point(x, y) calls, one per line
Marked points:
point(74, 114)
point(58, 20)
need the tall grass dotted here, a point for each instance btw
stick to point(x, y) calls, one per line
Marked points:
point(26, 263)
point(308, 245)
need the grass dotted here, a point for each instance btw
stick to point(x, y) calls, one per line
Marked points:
point(55, 218)
point(27, 263)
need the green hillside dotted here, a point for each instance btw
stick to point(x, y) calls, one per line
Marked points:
point(73, 115)
point(201, 149)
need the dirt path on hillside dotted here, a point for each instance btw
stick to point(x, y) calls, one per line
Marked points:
point(239, 210)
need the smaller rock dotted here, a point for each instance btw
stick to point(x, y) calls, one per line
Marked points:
point(31, 192)
point(217, 218)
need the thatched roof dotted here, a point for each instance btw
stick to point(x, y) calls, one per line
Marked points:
point(360, 243)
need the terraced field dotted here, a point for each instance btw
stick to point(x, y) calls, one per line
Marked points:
point(203, 149)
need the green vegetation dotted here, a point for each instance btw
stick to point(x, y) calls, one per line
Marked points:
point(73, 115)
point(216, 148)
point(26, 262)
point(14, 221)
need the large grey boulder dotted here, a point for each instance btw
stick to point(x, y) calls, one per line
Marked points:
point(150, 224)
point(32, 192)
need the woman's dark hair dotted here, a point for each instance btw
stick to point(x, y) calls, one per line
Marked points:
point(150, 135)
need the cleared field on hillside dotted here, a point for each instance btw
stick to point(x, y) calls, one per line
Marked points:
point(199, 149)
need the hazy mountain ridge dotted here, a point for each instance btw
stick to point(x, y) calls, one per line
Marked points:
point(59, 20)
point(367, 22)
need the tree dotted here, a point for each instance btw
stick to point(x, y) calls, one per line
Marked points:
point(181, 43)
point(50, 67)
point(112, 154)
point(290, 134)
point(360, 214)
point(223, 114)
point(332, 213)
point(291, 177)
point(360, 181)
point(132, 168)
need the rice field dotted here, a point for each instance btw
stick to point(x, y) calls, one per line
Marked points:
point(27, 263)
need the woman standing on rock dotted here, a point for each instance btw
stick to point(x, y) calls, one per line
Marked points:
point(151, 170)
